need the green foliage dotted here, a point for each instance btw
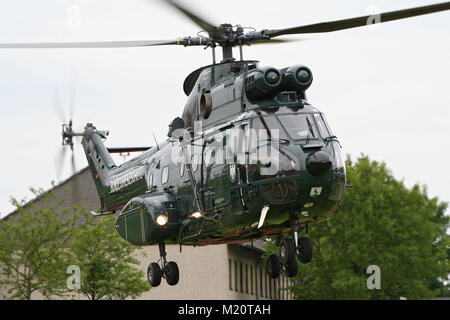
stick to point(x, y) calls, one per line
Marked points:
point(383, 223)
point(43, 238)
point(32, 245)
point(106, 262)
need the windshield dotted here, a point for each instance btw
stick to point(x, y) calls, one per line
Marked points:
point(296, 125)
point(299, 126)
point(269, 126)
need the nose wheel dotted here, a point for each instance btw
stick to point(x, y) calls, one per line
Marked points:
point(168, 270)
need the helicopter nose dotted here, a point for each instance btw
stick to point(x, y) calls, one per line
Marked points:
point(318, 163)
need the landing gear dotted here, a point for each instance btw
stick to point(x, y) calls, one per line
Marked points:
point(168, 270)
point(290, 249)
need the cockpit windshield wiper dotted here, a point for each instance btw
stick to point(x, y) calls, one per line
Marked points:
point(332, 138)
point(310, 131)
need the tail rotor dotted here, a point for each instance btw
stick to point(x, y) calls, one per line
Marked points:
point(68, 134)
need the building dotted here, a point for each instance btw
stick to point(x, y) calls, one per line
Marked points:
point(209, 272)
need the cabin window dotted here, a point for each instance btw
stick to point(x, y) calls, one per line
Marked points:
point(182, 166)
point(165, 175)
point(209, 157)
point(194, 163)
point(150, 181)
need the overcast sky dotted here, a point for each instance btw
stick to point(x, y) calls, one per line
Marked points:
point(385, 89)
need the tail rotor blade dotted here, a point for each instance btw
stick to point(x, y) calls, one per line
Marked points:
point(75, 189)
point(59, 162)
point(73, 165)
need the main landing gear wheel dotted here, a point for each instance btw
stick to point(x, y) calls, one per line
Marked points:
point(287, 250)
point(273, 266)
point(172, 274)
point(304, 250)
point(154, 274)
point(168, 270)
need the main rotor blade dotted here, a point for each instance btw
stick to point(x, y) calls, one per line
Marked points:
point(274, 41)
point(360, 21)
point(212, 30)
point(100, 44)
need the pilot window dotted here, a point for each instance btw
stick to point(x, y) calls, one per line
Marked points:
point(299, 126)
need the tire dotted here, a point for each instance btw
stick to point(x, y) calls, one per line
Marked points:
point(154, 274)
point(273, 267)
point(292, 269)
point(287, 250)
point(172, 273)
point(304, 250)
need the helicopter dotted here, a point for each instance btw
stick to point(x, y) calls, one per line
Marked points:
point(249, 157)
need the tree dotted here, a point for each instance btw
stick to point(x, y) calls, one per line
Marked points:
point(381, 223)
point(106, 262)
point(32, 244)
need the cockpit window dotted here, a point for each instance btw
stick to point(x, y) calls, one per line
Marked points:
point(327, 125)
point(299, 126)
point(321, 125)
point(269, 124)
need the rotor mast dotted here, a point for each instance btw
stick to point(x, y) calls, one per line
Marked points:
point(230, 37)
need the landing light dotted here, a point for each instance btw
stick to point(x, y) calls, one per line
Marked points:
point(161, 219)
point(196, 215)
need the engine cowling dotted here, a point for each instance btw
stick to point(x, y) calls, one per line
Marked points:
point(298, 78)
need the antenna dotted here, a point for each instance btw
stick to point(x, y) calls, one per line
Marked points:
point(157, 147)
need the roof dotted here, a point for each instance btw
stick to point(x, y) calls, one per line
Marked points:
point(81, 190)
